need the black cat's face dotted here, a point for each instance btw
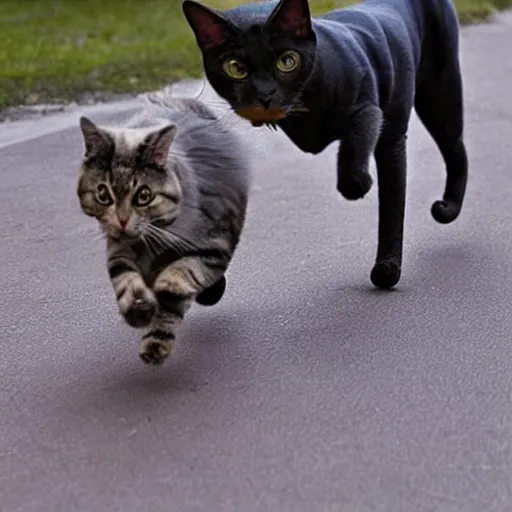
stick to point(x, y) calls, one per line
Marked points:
point(259, 68)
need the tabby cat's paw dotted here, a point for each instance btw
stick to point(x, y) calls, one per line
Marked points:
point(213, 294)
point(141, 309)
point(356, 186)
point(154, 351)
point(385, 274)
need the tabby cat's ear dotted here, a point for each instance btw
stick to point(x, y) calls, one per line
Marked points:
point(210, 27)
point(292, 16)
point(95, 139)
point(158, 144)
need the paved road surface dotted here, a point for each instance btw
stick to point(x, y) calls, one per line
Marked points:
point(304, 390)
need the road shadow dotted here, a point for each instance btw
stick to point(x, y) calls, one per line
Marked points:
point(208, 348)
point(236, 345)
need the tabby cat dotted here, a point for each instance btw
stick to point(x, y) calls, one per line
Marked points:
point(352, 75)
point(170, 190)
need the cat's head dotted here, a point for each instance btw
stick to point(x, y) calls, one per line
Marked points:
point(255, 58)
point(125, 180)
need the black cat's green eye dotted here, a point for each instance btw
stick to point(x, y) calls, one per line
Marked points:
point(235, 69)
point(288, 61)
point(143, 197)
point(103, 195)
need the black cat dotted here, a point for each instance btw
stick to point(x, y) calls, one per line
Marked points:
point(351, 75)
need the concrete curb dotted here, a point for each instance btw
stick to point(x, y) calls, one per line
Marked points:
point(21, 131)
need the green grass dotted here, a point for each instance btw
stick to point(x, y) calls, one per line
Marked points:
point(54, 50)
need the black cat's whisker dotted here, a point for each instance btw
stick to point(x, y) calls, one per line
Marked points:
point(220, 102)
point(299, 108)
point(209, 100)
point(295, 113)
point(203, 88)
point(271, 125)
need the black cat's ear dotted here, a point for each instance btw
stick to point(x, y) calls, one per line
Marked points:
point(95, 139)
point(158, 144)
point(210, 28)
point(292, 16)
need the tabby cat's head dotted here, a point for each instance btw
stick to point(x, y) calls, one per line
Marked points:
point(125, 179)
point(255, 58)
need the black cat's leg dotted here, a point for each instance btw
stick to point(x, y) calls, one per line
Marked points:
point(390, 156)
point(355, 151)
point(213, 294)
point(439, 105)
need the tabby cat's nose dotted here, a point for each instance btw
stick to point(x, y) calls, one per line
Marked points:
point(123, 222)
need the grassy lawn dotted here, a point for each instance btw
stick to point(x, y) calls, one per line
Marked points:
point(57, 50)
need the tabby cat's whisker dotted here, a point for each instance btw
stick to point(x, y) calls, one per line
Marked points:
point(99, 236)
point(173, 237)
point(150, 245)
point(166, 240)
point(158, 238)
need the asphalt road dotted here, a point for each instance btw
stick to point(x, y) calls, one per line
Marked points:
point(304, 390)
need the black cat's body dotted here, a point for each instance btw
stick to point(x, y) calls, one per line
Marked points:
point(363, 70)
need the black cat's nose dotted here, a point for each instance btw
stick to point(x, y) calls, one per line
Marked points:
point(266, 98)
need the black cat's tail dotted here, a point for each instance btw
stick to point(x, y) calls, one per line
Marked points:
point(439, 104)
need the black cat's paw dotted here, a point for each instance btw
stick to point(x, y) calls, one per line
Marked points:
point(213, 294)
point(356, 186)
point(445, 212)
point(385, 274)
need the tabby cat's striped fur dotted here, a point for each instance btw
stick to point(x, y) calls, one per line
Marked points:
point(170, 191)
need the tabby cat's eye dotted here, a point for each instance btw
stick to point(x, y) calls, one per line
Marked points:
point(235, 69)
point(103, 195)
point(143, 197)
point(288, 61)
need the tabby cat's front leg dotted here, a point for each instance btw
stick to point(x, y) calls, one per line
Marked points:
point(157, 344)
point(136, 302)
point(356, 149)
point(175, 288)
